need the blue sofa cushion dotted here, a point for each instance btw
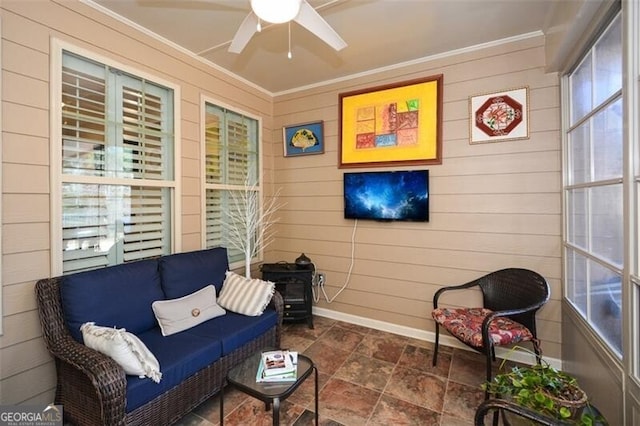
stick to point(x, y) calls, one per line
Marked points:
point(186, 273)
point(116, 296)
point(180, 356)
point(234, 330)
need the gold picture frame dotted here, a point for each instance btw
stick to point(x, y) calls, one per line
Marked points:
point(392, 125)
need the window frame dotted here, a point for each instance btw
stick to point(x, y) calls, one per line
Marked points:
point(204, 100)
point(1, 206)
point(569, 125)
point(58, 47)
point(631, 293)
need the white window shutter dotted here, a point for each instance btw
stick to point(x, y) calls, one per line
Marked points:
point(114, 125)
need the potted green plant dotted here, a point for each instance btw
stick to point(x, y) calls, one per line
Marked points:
point(543, 388)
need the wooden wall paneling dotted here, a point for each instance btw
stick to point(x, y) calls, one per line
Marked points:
point(34, 384)
point(18, 298)
point(27, 30)
point(20, 328)
point(25, 237)
point(492, 206)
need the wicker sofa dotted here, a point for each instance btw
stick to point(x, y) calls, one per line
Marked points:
point(94, 389)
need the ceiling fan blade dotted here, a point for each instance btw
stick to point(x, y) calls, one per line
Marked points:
point(247, 29)
point(311, 20)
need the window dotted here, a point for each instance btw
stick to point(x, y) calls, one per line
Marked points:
point(632, 95)
point(231, 172)
point(593, 190)
point(116, 166)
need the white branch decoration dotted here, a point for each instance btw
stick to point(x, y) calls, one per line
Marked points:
point(250, 229)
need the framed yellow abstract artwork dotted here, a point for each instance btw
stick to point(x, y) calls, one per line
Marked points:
point(392, 125)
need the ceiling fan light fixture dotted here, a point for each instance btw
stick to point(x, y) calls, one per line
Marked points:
point(276, 11)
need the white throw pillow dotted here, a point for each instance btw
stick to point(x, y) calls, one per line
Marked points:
point(179, 314)
point(244, 295)
point(125, 349)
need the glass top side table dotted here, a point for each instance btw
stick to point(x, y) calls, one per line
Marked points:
point(243, 378)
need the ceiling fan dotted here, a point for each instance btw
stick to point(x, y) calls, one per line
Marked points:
point(283, 11)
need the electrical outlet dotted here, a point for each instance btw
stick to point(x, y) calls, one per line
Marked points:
point(321, 279)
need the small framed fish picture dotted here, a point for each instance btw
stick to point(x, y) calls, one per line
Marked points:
point(303, 139)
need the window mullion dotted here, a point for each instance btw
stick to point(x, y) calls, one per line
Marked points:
point(113, 162)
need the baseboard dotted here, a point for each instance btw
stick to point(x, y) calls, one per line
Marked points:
point(513, 355)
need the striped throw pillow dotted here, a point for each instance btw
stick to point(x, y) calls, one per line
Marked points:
point(244, 295)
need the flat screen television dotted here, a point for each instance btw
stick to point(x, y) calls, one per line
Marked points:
point(387, 196)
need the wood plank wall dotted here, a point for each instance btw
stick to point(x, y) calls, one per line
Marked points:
point(26, 369)
point(491, 205)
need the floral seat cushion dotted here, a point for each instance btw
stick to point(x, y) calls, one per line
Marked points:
point(466, 324)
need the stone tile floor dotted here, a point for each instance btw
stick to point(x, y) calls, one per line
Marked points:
point(366, 377)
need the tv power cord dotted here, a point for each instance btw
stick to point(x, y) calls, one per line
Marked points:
point(321, 277)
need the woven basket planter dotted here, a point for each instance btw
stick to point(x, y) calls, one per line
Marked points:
point(575, 401)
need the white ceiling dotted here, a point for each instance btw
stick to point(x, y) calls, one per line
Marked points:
point(379, 33)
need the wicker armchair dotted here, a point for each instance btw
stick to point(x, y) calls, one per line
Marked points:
point(92, 386)
point(511, 298)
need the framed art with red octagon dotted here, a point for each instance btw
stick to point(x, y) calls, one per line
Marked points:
point(499, 116)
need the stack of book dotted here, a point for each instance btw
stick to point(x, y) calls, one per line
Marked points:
point(278, 366)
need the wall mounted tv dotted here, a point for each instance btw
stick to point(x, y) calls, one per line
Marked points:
point(387, 196)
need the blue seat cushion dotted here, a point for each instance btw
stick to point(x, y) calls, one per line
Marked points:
point(234, 330)
point(180, 356)
point(116, 296)
point(186, 273)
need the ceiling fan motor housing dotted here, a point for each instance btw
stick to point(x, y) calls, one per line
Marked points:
point(276, 12)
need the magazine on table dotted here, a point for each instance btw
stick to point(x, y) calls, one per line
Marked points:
point(277, 366)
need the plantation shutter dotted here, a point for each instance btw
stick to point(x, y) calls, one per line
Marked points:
point(145, 225)
point(84, 117)
point(231, 146)
point(145, 151)
point(85, 224)
point(213, 211)
point(114, 126)
point(238, 150)
point(213, 147)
